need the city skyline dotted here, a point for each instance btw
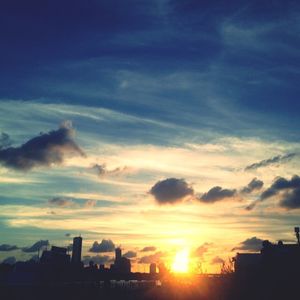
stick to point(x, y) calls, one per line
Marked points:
point(160, 127)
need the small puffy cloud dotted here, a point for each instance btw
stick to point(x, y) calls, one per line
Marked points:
point(199, 252)
point(254, 185)
point(11, 260)
point(148, 249)
point(153, 258)
point(98, 259)
point(6, 247)
point(171, 190)
point(251, 244)
point(68, 234)
point(130, 254)
point(217, 261)
point(270, 161)
point(102, 170)
point(60, 201)
point(104, 246)
point(36, 246)
point(216, 194)
point(43, 150)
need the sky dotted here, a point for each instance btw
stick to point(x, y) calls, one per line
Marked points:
point(156, 126)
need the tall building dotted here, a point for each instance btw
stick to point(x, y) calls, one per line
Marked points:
point(76, 253)
point(118, 252)
point(153, 268)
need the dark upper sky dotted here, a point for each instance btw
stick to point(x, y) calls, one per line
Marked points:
point(214, 60)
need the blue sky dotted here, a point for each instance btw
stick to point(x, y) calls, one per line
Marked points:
point(193, 90)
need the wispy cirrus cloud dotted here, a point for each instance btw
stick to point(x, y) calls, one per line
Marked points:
point(271, 161)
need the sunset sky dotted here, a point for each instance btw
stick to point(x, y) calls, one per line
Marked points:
point(158, 126)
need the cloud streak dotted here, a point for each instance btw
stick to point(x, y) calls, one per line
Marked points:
point(271, 161)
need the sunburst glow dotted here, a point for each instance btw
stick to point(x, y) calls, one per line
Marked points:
point(181, 262)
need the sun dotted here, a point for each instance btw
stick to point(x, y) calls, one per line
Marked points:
point(181, 262)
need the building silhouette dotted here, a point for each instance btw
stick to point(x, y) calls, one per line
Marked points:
point(55, 256)
point(152, 269)
point(122, 264)
point(273, 259)
point(76, 252)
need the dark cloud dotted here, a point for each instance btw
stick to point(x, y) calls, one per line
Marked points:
point(104, 246)
point(254, 185)
point(153, 258)
point(6, 247)
point(61, 201)
point(44, 150)
point(171, 190)
point(68, 234)
point(148, 249)
point(199, 252)
point(281, 184)
point(34, 258)
point(274, 160)
point(287, 190)
point(5, 140)
point(103, 171)
point(11, 260)
point(291, 200)
point(36, 246)
point(251, 244)
point(98, 259)
point(217, 194)
point(130, 254)
point(217, 261)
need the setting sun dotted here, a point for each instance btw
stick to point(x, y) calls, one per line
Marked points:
point(181, 260)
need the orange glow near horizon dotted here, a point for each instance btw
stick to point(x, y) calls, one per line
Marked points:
point(181, 262)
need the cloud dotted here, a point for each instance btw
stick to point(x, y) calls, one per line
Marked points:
point(274, 160)
point(103, 171)
point(287, 190)
point(11, 260)
point(217, 260)
point(36, 246)
point(4, 140)
point(291, 199)
point(171, 190)
point(44, 150)
point(104, 246)
point(98, 259)
point(199, 252)
point(153, 258)
point(6, 247)
point(148, 249)
point(217, 194)
point(253, 185)
point(130, 254)
point(60, 201)
point(251, 244)
point(280, 184)
point(90, 203)
point(68, 234)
